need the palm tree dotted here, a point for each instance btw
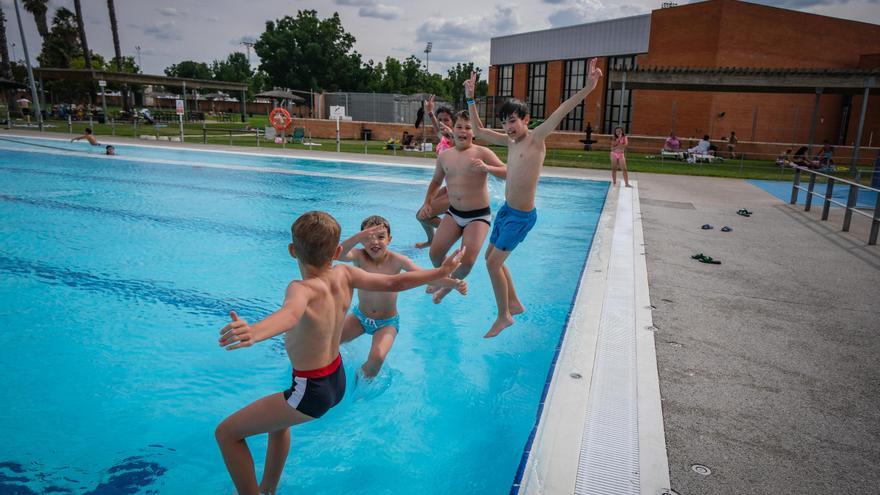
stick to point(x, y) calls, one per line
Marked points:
point(38, 8)
point(113, 27)
point(87, 55)
point(5, 68)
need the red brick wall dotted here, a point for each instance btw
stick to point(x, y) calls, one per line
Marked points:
point(493, 79)
point(520, 80)
point(724, 33)
point(554, 84)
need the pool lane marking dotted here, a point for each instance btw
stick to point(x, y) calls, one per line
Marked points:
point(242, 168)
point(555, 175)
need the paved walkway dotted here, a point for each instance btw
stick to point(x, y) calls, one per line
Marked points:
point(768, 362)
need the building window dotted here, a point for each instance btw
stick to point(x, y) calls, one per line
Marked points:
point(505, 81)
point(574, 78)
point(537, 90)
point(618, 103)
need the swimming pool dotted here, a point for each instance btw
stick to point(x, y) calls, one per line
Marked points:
point(116, 274)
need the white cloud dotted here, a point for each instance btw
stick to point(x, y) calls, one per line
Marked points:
point(466, 39)
point(172, 12)
point(380, 11)
point(164, 31)
point(355, 3)
point(582, 11)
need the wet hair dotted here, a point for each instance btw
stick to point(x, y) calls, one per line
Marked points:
point(88, 130)
point(706, 137)
point(446, 110)
point(513, 107)
point(376, 220)
point(109, 148)
point(462, 114)
point(315, 236)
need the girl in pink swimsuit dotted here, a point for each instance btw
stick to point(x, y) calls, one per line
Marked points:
point(618, 156)
point(442, 122)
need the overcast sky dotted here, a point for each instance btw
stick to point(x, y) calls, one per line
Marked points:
point(169, 31)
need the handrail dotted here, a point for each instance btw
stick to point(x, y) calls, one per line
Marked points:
point(851, 200)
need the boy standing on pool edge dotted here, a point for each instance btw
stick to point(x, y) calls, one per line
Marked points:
point(311, 318)
point(524, 161)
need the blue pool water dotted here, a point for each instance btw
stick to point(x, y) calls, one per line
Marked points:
point(116, 274)
point(840, 193)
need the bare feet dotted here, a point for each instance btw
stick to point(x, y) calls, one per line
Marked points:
point(516, 307)
point(628, 185)
point(500, 324)
point(423, 245)
point(440, 294)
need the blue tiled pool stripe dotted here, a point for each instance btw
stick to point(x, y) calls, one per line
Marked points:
point(186, 224)
point(520, 470)
point(131, 289)
point(137, 182)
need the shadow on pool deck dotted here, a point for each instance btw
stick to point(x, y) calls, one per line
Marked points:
point(767, 362)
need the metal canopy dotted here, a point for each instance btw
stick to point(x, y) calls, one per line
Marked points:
point(747, 79)
point(128, 78)
point(280, 94)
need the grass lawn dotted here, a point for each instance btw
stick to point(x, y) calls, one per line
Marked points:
point(233, 134)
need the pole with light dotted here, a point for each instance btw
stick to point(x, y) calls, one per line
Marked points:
point(428, 48)
point(138, 49)
point(30, 72)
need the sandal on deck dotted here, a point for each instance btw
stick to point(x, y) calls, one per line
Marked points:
point(702, 258)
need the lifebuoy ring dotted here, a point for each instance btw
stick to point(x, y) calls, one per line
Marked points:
point(280, 119)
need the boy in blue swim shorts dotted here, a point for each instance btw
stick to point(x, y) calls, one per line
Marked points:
point(525, 158)
point(376, 312)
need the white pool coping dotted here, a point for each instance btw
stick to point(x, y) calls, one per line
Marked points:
point(596, 433)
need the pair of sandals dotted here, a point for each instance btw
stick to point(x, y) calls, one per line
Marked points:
point(702, 258)
point(723, 229)
point(744, 212)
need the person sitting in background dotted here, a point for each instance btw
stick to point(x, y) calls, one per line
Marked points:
point(826, 156)
point(702, 147)
point(407, 140)
point(672, 143)
point(784, 158)
point(800, 159)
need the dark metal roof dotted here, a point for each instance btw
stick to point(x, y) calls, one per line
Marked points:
point(748, 79)
point(128, 78)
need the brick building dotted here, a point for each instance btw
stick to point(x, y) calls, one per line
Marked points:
point(543, 67)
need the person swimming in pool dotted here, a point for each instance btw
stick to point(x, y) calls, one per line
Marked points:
point(87, 136)
point(466, 169)
point(442, 123)
point(376, 312)
point(311, 319)
point(518, 214)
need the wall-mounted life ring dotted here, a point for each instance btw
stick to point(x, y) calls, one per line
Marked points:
point(280, 119)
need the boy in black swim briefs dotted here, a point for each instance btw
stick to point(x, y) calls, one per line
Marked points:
point(466, 168)
point(311, 319)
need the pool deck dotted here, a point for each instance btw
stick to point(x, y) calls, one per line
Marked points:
point(767, 363)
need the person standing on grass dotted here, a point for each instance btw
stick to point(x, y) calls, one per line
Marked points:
point(618, 156)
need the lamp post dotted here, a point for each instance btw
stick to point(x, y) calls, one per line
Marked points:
point(248, 45)
point(13, 52)
point(138, 50)
point(30, 72)
point(428, 48)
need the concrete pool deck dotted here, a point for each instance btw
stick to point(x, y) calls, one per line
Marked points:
point(767, 363)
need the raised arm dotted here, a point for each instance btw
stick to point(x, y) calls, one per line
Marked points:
point(439, 127)
point(480, 132)
point(409, 265)
point(239, 333)
point(552, 122)
point(351, 242)
point(360, 279)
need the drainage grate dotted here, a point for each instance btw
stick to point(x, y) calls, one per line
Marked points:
point(609, 457)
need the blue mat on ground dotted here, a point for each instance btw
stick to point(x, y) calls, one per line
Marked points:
point(782, 190)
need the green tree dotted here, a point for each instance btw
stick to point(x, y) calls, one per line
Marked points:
point(306, 52)
point(5, 67)
point(39, 9)
point(62, 43)
point(190, 69)
point(456, 76)
point(234, 69)
point(114, 29)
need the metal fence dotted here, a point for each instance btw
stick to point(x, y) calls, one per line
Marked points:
point(377, 107)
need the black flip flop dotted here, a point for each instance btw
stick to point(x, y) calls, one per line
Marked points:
point(744, 212)
point(702, 258)
point(706, 226)
point(726, 229)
